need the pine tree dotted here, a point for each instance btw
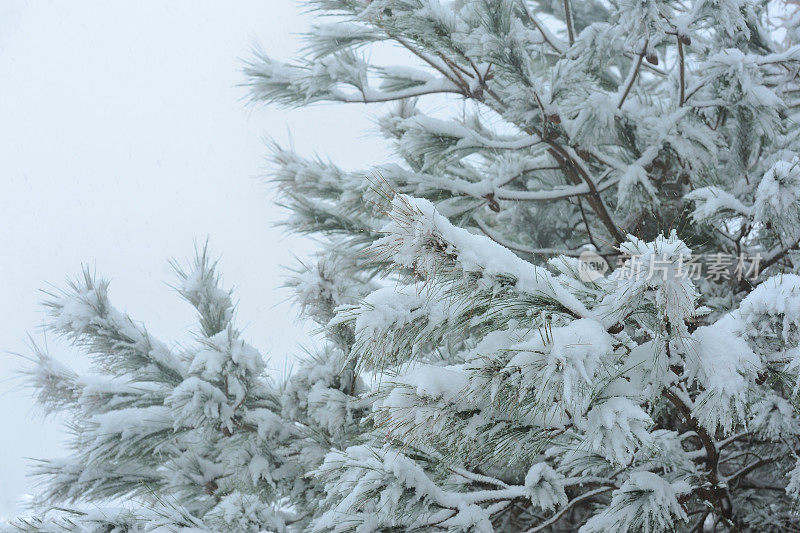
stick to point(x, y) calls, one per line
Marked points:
point(477, 375)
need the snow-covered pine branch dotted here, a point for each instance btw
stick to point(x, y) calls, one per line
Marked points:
point(469, 376)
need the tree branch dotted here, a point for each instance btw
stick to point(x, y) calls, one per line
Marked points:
point(751, 467)
point(444, 72)
point(371, 96)
point(520, 248)
point(568, 20)
point(556, 517)
point(717, 492)
point(595, 201)
point(777, 255)
point(628, 84)
point(682, 70)
point(549, 38)
point(557, 193)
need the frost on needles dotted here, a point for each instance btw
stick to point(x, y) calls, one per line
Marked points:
point(472, 378)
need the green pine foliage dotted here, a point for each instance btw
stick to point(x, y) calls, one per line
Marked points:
point(475, 376)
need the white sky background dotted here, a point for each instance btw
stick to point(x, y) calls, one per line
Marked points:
point(124, 138)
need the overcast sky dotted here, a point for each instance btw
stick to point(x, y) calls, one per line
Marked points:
point(125, 138)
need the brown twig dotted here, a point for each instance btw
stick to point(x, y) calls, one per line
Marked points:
point(568, 20)
point(682, 69)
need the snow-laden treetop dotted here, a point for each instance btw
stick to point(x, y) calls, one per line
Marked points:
point(569, 302)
